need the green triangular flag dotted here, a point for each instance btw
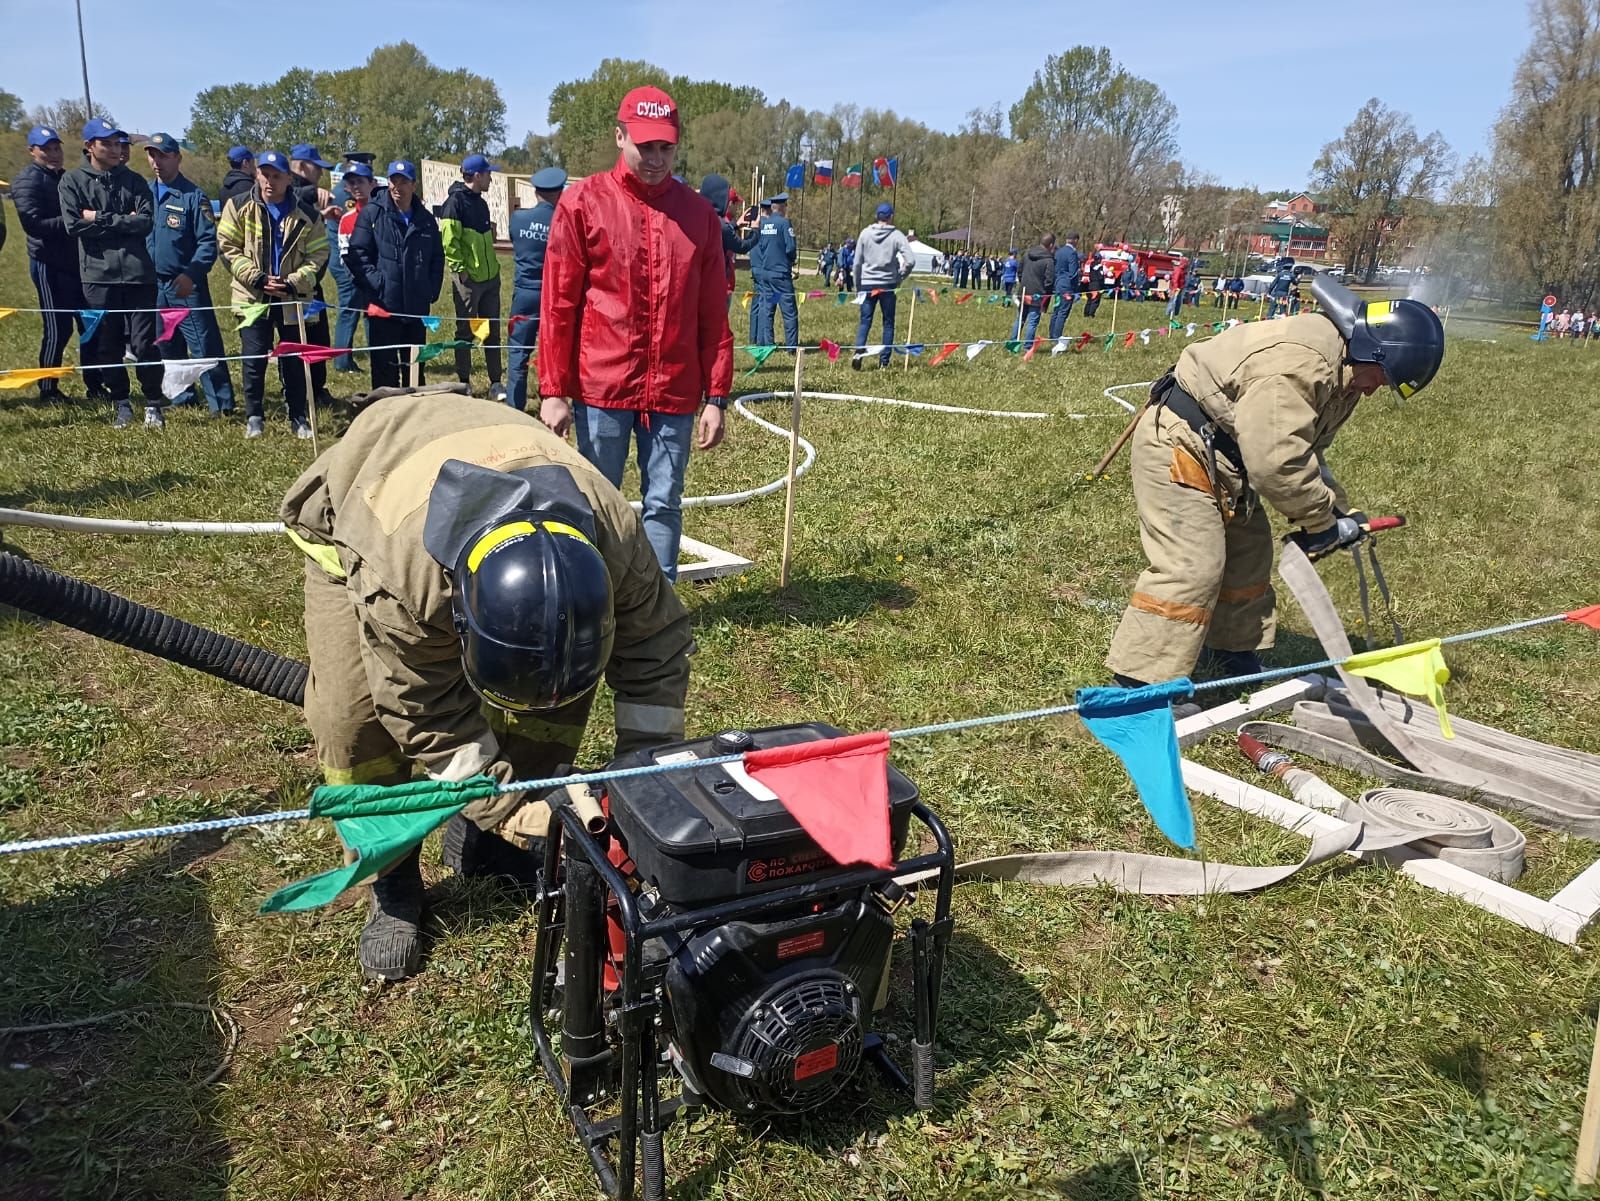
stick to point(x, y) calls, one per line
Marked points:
point(1109, 339)
point(249, 314)
point(1014, 347)
point(760, 354)
point(381, 824)
point(426, 354)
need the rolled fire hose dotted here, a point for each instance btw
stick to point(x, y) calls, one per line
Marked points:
point(45, 593)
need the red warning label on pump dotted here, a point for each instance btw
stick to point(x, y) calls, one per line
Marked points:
point(814, 1063)
point(801, 944)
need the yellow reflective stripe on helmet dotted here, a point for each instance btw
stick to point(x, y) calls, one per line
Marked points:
point(561, 527)
point(501, 533)
point(1379, 311)
point(326, 556)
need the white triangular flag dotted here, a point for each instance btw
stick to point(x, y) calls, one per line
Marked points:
point(1061, 345)
point(861, 298)
point(1144, 336)
point(1189, 330)
point(974, 350)
point(1232, 321)
point(868, 351)
point(179, 375)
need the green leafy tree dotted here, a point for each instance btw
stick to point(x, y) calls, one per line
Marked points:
point(12, 114)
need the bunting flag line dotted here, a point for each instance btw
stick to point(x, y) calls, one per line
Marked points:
point(315, 309)
point(744, 301)
point(1063, 343)
point(974, 350)
point(841, 298)
point(480, 329)
point(945, 352)
point(831, 349)
point(426, 354)
point(1128, 341)
point(431, 324)
point(866, 352)
point(801, 297)
point(1033, 348)
point(516, 319)
point(1414, 668)
point(933, 295)
point(760, 354)
point(1135, 724)
point(964, 297)
point(837, 789)
point(91, 319)
point(1188, 331)
point(24, 376)
point(1109, 338)
point(170, 320)
point(816, 294)
point(179, 375)
point(1013, 345)
point(1144, 336)
point(1589, 616)
point(306, 351)
point(4, 313)
point(249, 314)
point(377, 310)
point(911, 348)
point(1084, 339)
point(861, 298)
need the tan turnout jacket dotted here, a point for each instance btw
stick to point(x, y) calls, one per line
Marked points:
point(359, 512)
point(1282, 390)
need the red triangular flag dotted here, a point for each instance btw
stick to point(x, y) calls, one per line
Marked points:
point(877, 291)
point(517, 319)
point(306, 351)
point(1032, 346)
point(1128, 341)
point(932, 295)
point(837, 789)
point(377, 310)
point(831, 349)
point(1589, 616)
point(962, 299)
point(1084, 339)
point(944, 353)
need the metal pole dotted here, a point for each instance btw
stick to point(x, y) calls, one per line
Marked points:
point(911, 325)
point(972, 208)
point(311, 392)
point(83, 57)
point(794, 453)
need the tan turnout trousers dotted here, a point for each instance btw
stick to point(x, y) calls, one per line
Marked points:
point(1209, 579)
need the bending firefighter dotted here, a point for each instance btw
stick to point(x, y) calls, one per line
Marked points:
point(459, 618)
point(1247, 415)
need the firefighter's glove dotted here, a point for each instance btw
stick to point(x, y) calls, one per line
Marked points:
point(1355, 515)
point(1345, 531)
point(527, 824)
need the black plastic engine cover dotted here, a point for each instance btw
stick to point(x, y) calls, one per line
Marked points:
point(769, 1017)
point(703, 836)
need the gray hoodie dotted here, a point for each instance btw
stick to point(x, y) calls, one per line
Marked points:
point(883, 257)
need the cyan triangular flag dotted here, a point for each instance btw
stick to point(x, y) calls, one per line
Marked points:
point(431, 324)
point(91, 319)
point(1135, 724)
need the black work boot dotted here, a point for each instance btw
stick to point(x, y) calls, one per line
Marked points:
point(469, 851)
point(391, 941)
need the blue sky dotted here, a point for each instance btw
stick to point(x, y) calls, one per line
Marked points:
point(1259, 88)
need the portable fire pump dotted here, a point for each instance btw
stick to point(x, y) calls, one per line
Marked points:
point(693, 940)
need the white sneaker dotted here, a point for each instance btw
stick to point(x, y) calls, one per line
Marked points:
point(154, 419)
point(498, 392)
point(255, 427)
point(302, 429)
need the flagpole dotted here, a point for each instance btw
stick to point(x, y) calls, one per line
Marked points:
point(911, 324)
point(311, 392)
point(794, 451)
point(832, 183)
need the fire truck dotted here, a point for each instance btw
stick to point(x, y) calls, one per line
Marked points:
point(1117, 258)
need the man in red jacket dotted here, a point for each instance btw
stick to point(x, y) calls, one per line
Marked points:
point(633, 320)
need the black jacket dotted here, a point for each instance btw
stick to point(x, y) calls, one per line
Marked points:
point(235, 183)
point(1038, 272)
point(39, 209)
point(398, 264)
point(111, 248)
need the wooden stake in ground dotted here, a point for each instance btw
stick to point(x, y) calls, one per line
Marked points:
point(414, 355)
point(1589, 1132)
point(311, 392)
point(911, 324)
point(794, 454)
point(1116, 447)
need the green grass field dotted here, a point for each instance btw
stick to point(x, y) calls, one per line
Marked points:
point(1347, 1035)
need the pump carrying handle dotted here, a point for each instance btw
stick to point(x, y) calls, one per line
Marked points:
point(1384, 523)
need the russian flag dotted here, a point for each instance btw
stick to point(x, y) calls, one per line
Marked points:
point(823, 175)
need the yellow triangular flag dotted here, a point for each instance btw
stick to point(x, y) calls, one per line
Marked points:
point(249, 314)
point(4, 313)
point(479, 327)
point(800, 298)
point(745, 301)
point(24, 376)
point(1416, 669)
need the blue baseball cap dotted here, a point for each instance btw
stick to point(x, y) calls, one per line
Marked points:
point(885, 210)
point(477, 163)
point(98, 128)
point(274, 159)
point(240, 154)
point(549, 179)
point(403, 166)
point(164, 142)
point(42, 135)
point(307, 153)
point(360, 170)
point(780, 198)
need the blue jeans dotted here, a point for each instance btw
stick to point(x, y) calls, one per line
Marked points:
point(776, 294)
point(884, 303)
point(1058, 319)
point(1030, 324)
point(344, 330)
point(664, 440)
point(524, 337)
point(1175, 305)
point(202, 339)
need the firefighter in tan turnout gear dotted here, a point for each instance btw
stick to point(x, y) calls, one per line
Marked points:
point(1245, 417)
point(469, 578)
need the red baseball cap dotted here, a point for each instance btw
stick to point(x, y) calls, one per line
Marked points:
point(649, 115)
